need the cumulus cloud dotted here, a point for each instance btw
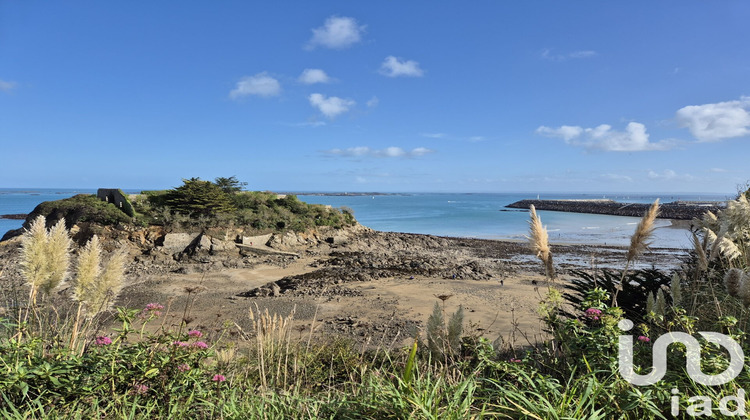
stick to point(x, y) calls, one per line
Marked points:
point(332, 106)
point(260, 84)
point(395, 67)
point(7, 86)
point(547, 54)
point(603, 137)
point(337, 33)
point(388, 152)
point(714, 122)
point(312, 76)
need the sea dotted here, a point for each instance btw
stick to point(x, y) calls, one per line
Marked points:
point(472, 215)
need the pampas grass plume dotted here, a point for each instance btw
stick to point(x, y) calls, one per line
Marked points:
point(641, 239)
point(34, 254)
point(539, 240)
point(58, 255)
point(733, 280)
point(88, 270)
point(700, 253)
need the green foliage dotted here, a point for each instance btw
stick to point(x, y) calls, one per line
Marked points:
point(444, 341)
point(127, 207)
point(197, 197)
point(636, 288)
point(230, 185)
point(80, 208)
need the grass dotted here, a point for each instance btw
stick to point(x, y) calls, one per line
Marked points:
point(270, 373)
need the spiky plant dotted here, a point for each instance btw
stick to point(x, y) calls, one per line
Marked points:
point(539, 240)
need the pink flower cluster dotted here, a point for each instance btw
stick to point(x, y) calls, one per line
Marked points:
point(593, 313)
point(514, 360)
point(644, 339)
point(103, 340)
point(219, 378)
point(151, 310)
point(195, 334)
point(183, 367)
point(200, 345)
point(140, 389)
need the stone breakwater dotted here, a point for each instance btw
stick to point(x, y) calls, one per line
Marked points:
point(681, 210)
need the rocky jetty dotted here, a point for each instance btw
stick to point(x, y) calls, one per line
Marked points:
point(680, 210)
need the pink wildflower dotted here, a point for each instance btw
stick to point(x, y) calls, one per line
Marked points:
point(643, 339)
point(219, 378)
point(154, 307)
point(140, 389)
point(514, 360)
point(195, 333)
point(179, 343)
point(200, 344)
point(183, 367)
point(593, 313)
point(103, 340)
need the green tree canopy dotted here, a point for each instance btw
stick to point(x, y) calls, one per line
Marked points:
point(199, 197)
point(229, 185)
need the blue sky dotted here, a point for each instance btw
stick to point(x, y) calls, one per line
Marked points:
point(481, 96)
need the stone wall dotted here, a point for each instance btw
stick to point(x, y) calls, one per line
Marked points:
point(682, 210)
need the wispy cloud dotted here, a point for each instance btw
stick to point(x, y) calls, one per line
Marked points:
point(433, 135)
point(260, 84)
point(668, 175)
point(616, 177)
point(6, 86)
point(718, 170)
point(476, 139)
point(312, 76)
point(337, 33)
point(388, 152)
point(373, 102)
point(548, 54)
point(332, 106)
point(395, 67)
point(603, 137)
point(719, 121)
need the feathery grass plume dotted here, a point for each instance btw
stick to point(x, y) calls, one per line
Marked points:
point(710, 221)
point(738, 211)
point(728, 248)
point(88, 270)
point(676, 290)
point(58, 255)
point(650, 303)
point(700, 253)
point(34, 255)
point(110, 282)
point(641, 238)
point(539, 241)
point(733, 281)
point(660, 306)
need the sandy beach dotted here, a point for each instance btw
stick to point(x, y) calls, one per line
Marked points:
point(376, 288)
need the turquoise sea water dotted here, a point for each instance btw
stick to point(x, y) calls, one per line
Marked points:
point(464, 215)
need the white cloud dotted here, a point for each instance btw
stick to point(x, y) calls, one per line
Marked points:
point(260, 84)
point(330, 107)
point(718, 170)
point(603, 137)
point(337, 32)
point(388, 152)
point(7, 86)
point(616, 177)
point(669, 175)
point(714, 122)
point(373, 102)
point(547, 54)
point(433, 135)
point(394, 67)
point(312, 76)
point(476, 139)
